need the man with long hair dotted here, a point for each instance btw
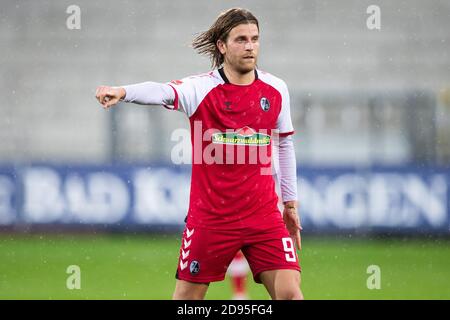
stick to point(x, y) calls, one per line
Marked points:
point(237, 114)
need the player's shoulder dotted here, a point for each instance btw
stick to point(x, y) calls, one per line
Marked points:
point(272, 80)
point(210, 78)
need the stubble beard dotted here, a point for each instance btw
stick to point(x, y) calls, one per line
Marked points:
point(244, 68)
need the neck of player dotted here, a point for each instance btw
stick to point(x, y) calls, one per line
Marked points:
point(236, 77)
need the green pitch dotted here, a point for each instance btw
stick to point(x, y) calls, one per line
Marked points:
point(143, 267)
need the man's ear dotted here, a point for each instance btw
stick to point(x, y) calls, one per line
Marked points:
point(221, 45)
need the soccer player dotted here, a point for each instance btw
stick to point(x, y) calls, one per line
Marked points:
point(237, 271)
point(237, 114)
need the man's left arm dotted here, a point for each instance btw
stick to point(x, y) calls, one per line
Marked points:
point(288, 185)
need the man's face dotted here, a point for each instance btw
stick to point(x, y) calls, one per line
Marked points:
point(241, 47)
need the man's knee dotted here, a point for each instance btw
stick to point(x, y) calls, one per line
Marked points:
point(291, 293)
point(288, 286)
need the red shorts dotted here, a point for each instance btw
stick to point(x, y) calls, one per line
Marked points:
point(205, 254)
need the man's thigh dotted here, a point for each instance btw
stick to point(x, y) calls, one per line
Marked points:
point(270, 248)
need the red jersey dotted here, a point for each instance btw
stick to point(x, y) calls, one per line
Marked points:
point(232, 133)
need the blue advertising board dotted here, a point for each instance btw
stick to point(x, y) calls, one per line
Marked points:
point(334, 199)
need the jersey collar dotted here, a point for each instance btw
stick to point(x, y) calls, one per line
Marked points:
point(225, 79)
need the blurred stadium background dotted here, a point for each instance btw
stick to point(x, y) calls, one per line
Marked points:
point(83, 186)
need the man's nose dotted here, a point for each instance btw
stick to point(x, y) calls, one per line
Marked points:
point(249, 45)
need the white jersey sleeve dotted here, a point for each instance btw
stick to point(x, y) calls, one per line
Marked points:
point(288, 169)
point(284, 122)
point(190, 91)
point(149, 93)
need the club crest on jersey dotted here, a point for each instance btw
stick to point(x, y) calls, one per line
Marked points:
point(194, 267)
point(265, 104)
point(245, 136)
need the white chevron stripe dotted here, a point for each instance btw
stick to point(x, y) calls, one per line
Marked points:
point(183, 265)
point(187, 243)
point(184, 254)
point(189, 232)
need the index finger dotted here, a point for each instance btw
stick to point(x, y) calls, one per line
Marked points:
point(99, 94)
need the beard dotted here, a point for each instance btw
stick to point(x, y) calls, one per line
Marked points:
point(246, 66)
point(242, 65)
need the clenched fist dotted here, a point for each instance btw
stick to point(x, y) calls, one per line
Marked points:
point(109, 96)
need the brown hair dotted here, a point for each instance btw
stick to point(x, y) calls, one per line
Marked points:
point(206, 42)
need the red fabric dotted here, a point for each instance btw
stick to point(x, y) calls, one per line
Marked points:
point(238, 284)
point(239, 256)
point(285, 134)
point(233, 196)
point(205, 254)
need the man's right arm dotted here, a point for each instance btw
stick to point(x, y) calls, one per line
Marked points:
point(146, 93)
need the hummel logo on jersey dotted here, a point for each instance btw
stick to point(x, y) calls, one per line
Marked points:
point(177, 82)
point(228, 105)
point(189, 232)
point(184, 254)
point(183, 265)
